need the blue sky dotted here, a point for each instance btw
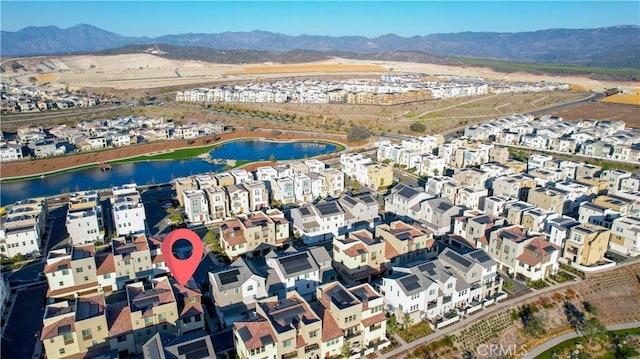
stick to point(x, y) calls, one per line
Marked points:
point(365, 18)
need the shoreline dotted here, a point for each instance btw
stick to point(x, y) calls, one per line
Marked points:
point(139, 157)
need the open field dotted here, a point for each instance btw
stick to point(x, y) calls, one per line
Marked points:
point(30, 168)
point(541, 68)
point(146, 71)
point(328, 68)
point(632, 97)
point(603, 111)
point(437, 115)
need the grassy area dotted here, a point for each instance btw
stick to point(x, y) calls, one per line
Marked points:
point(505, 66)
point(182, 154)
point(571, 343)
point(416, 331)
point(26, 178)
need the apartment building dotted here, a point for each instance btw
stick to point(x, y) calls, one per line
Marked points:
point(472, 229)
point(237, 199)
point(299, 271)
point(587, 244)
point(22, 228)
point(235, 290)
point(597, 215)
point(75, 328)
point(253, 234)
point(625, 236)
point(523, 254)
point(132, 259)
point(85, 222)
point(161, 307)
point(10, 153)
point(440, 289)
point(334, 180)
point(196, 206)
point(283, 190)
point(552, 199)
point(405, 243)
point(360, 256)
point(258, 195)
point(559, 229)
point(128, 213)
point(217, 199)
point(359, 313)
point(318, 222)
point(361, 211)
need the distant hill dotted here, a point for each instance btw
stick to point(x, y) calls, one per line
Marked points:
point(613, 47)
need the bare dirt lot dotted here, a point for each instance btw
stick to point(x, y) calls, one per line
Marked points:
point(603, 111)
point(145, 71)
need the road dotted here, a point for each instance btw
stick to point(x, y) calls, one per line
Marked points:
point(52, 115)
point(564, 337)
point(592, 98)
point(24, 324)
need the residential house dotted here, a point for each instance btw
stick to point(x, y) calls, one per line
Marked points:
point(625, 236)
point(360, 256)
point(523, 254)
point(254, 233)
point(85, 222)
point(196, 206)
point(586, 245)
point(405, 243)
point(318, 222)
point(128, 212)
point(22, 229)
point(237, 199)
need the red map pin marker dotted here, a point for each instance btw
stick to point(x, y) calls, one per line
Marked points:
point(182, 258)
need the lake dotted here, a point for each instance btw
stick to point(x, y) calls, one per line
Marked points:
point(155, 172)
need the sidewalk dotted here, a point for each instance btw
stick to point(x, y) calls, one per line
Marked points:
point(555, 341)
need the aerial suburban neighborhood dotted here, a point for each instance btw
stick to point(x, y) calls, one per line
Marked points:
point(364, 190)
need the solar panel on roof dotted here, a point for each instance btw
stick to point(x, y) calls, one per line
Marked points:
point(367, 199)
point(327, 209)
point(194, 350)
point(480, 256)
point(407, 192)
point(245, 334)
point(295, 263)
point(531, 247)
point(410, 283)
point(304, 211)
point(350, 200)
point(549, 249)
point(458, 258)
point(266, 340)
point(229, 276)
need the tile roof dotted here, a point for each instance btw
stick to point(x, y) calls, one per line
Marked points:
point(53, 329)
point(70, 290)
point(255, 334)
point(58, 266)
point(529, 259)
point(330, 328)
point(378, 318)
point(389, 251)
point(119, 319)
point(105, 264)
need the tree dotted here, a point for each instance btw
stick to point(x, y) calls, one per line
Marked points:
point(407, 321)
point(272, 158)
point(392, 325)
point(345, 351)
point(532, 324)
point(276, 133)
point(358, 133)
point(593, 329)
point(574, 316)
point(418, 127)
point(436, 172)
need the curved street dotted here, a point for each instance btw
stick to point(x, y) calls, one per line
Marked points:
point(564, 337)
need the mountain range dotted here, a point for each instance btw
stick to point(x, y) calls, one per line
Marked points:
point(614, 46)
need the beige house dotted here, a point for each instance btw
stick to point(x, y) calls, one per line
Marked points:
point(587, 244)
point(379, 175)
point(405, 243)
point(549, 198)
point(254, 233)
point(360, 256)
point(75, 327)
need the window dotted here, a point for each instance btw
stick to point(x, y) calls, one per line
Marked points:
point(287, 343)
point(86, 334)
point(250, 287)
point(61, 351)
point(313, 334)
point(68, 338)
point(148, 321)
point(192, 299)
point(162, 316)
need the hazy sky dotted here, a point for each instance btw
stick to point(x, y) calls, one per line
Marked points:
point(155, 18)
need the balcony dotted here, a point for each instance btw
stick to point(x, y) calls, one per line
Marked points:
point(446, 299)
point(432, 305)
point(291, 355)
point(310, 348)
point(352, 335)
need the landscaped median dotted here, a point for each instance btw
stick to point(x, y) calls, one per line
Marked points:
point(159, 150)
